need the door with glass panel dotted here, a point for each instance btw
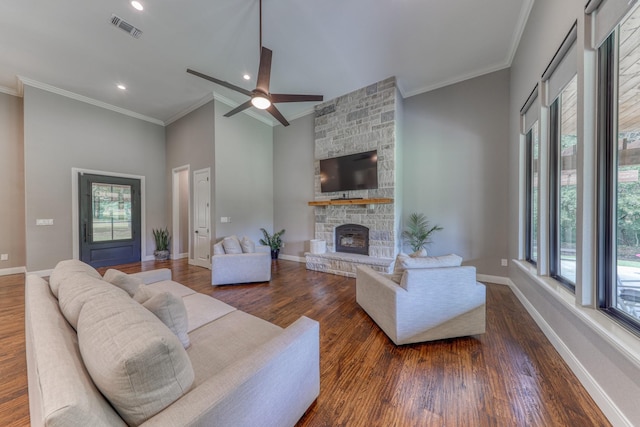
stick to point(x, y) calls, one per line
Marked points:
point(109, 220)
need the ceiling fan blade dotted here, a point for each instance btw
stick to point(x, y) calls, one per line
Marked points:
point(275, 113)
point(220, 82)
point(239, 108)
point(283, 97)
point(264, 72)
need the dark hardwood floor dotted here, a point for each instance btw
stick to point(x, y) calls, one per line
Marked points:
point(510, 376)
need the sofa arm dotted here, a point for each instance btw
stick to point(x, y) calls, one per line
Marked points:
point(272, 386)
point(379, 297)
point(153, 276)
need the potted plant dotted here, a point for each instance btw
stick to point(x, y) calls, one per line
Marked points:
point(162, 239)
point(418, 232)
point(273, 241)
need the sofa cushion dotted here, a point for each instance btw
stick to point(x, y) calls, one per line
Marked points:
point(231, 245)
point(133, 358)
point(79, 288)
point(66, 268)
point(450, 260)
point(178, 289)
point(248, 245)
point(218, 249)
point(122, 280)
point(171, 311)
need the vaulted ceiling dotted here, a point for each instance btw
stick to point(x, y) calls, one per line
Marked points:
point(328, 47)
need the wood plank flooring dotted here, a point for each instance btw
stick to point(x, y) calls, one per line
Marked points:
point(510, 376)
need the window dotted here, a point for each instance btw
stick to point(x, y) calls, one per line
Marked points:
point(618, 172)
point(563, 185)
point(532, 182)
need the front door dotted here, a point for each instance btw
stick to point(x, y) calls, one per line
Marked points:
point(202, 218)
point(109, 220)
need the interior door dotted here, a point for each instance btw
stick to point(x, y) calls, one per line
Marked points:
point(202, 217)
point(109, 220)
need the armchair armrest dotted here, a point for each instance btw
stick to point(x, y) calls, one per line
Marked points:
point(379, 297)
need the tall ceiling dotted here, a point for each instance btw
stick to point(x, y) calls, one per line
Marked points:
point(327, 47)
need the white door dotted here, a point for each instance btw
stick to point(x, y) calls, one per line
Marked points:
point(202, 218)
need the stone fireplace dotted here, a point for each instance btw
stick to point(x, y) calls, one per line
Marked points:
point(352, 239)
point(364, 120)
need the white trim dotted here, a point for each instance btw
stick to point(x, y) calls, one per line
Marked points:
point(293, 258)
point(148, 258)
point(175, 206)
point(180, 256)
point(249, 112)
point(499, 280)
point(520, 26)
point(9, 91)
point(12, 270)
point(81, 98)
point(608, 407)
point(190, 109)
point(75, 217)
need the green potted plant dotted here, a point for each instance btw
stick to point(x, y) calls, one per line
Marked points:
point(162, 238)
point(273, 241)
point(418, 232)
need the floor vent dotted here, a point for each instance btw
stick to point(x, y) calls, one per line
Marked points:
point(124, 25)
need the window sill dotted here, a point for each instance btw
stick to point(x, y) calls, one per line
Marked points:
point(618, 336)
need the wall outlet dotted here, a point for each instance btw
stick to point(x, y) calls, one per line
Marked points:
point(44, 221)
point(225, 219)
point(4, 257)
point(504, 262)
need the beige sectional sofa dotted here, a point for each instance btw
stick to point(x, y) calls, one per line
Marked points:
point(145, 350)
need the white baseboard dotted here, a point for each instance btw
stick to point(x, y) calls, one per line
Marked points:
point(492, 279)
point(293, 258)
point(180, 256)
point(41, 273)
point(604, 402)
point(12, 270)
point(148, 258)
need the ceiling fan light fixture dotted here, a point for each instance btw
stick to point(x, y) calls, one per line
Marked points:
point(261, 102)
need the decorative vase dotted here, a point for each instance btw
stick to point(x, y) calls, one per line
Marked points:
point(274, 253)
point(161, 255)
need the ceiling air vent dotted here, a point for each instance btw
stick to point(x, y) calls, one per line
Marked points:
point(124, 25)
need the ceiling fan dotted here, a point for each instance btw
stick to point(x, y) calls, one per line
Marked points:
point(261, 98)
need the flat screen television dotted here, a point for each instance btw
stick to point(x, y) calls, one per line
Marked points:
point(353, 172)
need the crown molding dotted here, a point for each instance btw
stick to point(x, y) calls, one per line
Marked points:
point(62, 92)
point(208, 98)
point(520, 26)
point(234, 104)
point(10, 91)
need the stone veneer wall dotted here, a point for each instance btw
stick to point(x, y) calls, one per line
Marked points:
point(360, 121)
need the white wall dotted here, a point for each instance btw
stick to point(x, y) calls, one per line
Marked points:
point(604, 356)
point(60, 134)
point(293, 174)
point(243, 174)
point(455, 146)
point(12, 238)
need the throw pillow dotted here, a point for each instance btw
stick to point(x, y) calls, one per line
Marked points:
point(143, 294)
point(171, 311)
point(66, 269)
point(248, 245)
point(450, 260)
point(137, 363)
point(218, 249)
point(122, 280)
point(231, 245)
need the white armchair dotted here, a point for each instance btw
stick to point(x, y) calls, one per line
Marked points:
point(238, 266)
point(428, 304)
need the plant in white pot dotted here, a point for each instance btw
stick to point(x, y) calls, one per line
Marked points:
point(418, 233)
point(273, 241)
point(162, 238)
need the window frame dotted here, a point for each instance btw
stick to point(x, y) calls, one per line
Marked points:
point(529, 143)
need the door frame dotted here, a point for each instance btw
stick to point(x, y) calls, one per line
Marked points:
point(175, 211)
point(75, 208)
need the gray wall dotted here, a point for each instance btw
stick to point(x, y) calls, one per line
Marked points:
point(61, 133)
point(455, 146)
point(293, 175)
point(190, 141)
point(602, 354)
point(12, 238)
point(243, 174)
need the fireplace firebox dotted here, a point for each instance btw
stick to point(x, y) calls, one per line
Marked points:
point(352, 238)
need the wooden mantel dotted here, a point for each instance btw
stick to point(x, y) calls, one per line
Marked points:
point(381, 201)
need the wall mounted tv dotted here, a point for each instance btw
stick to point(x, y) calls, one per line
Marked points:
point(353, 172)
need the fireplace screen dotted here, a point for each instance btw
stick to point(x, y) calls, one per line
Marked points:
point(352, 238)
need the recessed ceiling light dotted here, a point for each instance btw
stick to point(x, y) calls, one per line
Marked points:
point(137, 5)
point(246, 77)
point(122, 87)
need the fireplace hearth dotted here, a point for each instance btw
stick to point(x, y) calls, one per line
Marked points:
point(352, 239)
